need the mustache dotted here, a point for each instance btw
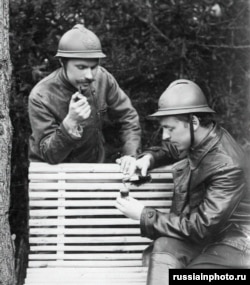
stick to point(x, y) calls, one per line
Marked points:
point(85, 81)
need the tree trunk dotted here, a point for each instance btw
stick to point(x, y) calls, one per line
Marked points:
point(7, 271)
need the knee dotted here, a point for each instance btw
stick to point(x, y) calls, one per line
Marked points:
point(161, 244)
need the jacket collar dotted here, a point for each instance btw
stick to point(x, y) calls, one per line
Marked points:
point(196, 155)
point(64, 80)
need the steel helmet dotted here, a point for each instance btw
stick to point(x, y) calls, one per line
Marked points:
point(79, 42)
point(182, 97)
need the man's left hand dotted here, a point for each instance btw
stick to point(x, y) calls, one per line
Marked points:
point(130, 207)
point(128, 165)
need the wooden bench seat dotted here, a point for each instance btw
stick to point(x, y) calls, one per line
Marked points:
point(76, 235)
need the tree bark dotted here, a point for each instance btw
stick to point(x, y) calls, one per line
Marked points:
point(7, 271)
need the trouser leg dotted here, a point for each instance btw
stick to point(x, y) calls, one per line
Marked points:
point(221, 256)
point(159, 265)
point(168, 253)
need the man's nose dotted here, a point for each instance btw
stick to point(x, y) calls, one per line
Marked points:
point(165, 135)
point(88, 74)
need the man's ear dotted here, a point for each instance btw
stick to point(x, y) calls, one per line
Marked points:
point(196, 122)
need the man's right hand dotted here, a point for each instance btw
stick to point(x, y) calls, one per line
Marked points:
point(79, 109)
point(142, 164)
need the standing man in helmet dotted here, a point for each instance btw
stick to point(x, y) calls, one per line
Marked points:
point(208, 224)
point(68, 108)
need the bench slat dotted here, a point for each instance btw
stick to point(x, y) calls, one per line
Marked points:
point(84, 256)
point(90, 276)
point(111, 177)
point(90, 240)
point(71, 194)
point(80, 248)
point(90, 203)
point(90, 282)
point(83, 276)
point(80, 272)
point(83, 167)
point(82, 231)
point(88, 263)
point(134, 281)
point(96, 186)
point(82, 222)
point(80, 212)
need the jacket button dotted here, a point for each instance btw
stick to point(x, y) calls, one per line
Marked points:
point(150, 214)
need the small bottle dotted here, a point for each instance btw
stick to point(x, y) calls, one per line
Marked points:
point(124, 191)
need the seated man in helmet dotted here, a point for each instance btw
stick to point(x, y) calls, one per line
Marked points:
point(68, 108)
point(208, 224)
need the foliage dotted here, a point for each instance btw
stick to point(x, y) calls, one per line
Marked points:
point(148, 44)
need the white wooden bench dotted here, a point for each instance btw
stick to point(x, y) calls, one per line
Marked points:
point(76, 235)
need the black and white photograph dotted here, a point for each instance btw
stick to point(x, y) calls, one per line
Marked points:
point(124, 142)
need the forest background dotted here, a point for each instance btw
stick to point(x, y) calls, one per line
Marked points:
point(148, 44)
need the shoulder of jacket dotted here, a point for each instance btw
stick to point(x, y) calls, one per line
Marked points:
point(103, 73)
point(222, 158)
point(39, 90)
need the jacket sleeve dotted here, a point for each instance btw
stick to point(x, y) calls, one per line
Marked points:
point(162, 155)
point(224, 191)
point(121, 109)
point(52, 140)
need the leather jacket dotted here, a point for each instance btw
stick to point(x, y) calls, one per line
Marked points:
point(48, 106)
point(211, 200)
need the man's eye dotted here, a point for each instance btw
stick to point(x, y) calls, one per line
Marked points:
point(81, 67)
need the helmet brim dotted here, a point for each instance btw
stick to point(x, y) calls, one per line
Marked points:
point(172, 112)
point(75, 54)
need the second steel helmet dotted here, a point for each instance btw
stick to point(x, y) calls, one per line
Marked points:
point(80, 42)
point(182, 97)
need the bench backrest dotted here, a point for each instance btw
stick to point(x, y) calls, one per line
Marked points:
point(73, 221)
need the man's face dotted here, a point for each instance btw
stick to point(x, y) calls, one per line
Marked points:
point(177, 132)
point(81, 72)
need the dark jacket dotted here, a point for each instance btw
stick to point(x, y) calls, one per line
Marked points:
point(211, 201)
point(48, 106)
